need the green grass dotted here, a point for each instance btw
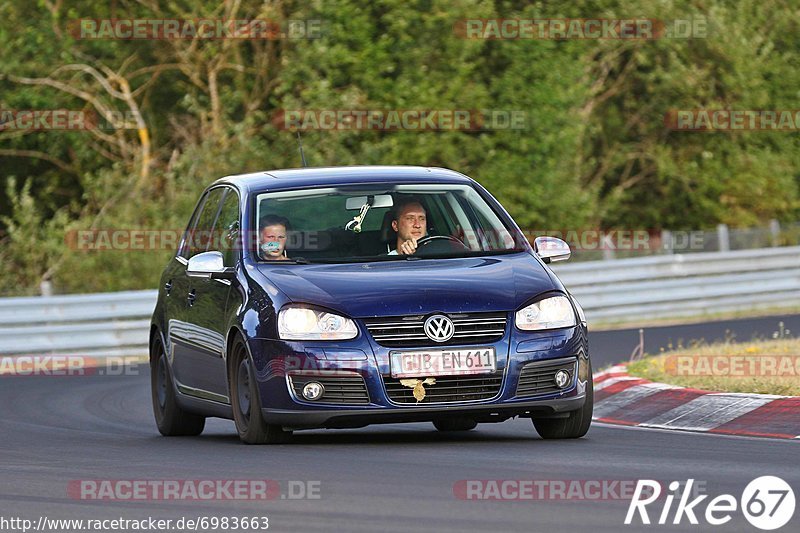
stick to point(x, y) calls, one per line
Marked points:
point(764, 367)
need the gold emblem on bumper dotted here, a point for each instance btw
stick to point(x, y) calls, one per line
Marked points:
point(418, 386)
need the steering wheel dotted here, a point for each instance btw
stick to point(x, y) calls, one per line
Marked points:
point(439, 243)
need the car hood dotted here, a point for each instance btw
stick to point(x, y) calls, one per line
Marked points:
point(391, 288)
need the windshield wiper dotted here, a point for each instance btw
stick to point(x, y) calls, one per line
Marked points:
point(299, 261)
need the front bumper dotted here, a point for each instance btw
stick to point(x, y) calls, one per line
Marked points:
point(275, 361)
point(349, 418)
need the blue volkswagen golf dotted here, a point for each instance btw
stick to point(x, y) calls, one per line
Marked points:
point(348, 296)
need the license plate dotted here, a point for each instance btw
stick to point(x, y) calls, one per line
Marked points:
point(443, 362)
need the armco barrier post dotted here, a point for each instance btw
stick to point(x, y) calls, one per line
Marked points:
point(723, 237)
point(666, 242)
point(775, 232)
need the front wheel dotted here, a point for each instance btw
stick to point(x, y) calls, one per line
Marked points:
point(576, 424)
point(246, 402)
point(172, 421)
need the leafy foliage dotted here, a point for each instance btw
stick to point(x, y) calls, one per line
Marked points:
point(595, 152)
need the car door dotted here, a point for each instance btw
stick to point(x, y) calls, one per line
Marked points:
point(207, 311)
point(176, 286)
point(184, 333)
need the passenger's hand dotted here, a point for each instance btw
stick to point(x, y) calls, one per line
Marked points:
point(408, 247)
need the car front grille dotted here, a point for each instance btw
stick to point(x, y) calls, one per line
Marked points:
point(537, 377)
point(447, 389)
point(408, 331)
point(340, 388)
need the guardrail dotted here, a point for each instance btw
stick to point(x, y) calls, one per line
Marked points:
point(684, 285)
point(113, 323)
point(610, 291)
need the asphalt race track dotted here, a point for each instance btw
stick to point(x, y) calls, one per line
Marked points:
point(609, 347)
point(58, 430)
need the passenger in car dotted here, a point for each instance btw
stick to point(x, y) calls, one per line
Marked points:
point(410, 223)
point(272, 237)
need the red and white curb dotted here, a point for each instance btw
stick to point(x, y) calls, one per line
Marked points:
point(627, 400)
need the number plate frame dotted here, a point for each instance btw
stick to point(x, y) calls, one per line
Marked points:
point(441, 362)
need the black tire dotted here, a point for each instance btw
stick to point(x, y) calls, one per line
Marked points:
point(246, 402)
point(172, 421)
point(455, 424)
point(576, 424)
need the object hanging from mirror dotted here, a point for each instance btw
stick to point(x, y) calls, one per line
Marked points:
point(355, 224)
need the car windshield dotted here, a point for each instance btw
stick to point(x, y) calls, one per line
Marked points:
point(377, 223)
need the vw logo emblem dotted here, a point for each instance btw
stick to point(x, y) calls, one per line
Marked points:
point(439, 328)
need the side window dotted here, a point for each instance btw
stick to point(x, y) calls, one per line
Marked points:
point(200, 235)
point(226, 230)
point(183, 247)
point(490, 230)
point(440, 219)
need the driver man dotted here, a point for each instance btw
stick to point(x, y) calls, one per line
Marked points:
point(411, 225)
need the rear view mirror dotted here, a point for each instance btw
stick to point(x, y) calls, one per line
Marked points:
point(551, 249)
point(354, 203)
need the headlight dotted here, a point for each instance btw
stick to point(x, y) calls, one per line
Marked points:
point(304, 324)
point(555, 312)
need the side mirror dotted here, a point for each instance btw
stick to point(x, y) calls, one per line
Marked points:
point(209, 265)
point(551, 249)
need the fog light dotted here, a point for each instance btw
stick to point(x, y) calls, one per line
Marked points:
point(561, 378)
point(313, 390)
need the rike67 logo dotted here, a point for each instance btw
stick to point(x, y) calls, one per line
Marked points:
point(767, 503)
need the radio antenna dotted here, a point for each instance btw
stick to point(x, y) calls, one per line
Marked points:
point(300, 144)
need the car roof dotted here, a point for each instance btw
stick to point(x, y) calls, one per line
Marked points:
point(276, 180)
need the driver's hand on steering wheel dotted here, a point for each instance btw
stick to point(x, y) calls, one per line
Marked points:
point(407, 247)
